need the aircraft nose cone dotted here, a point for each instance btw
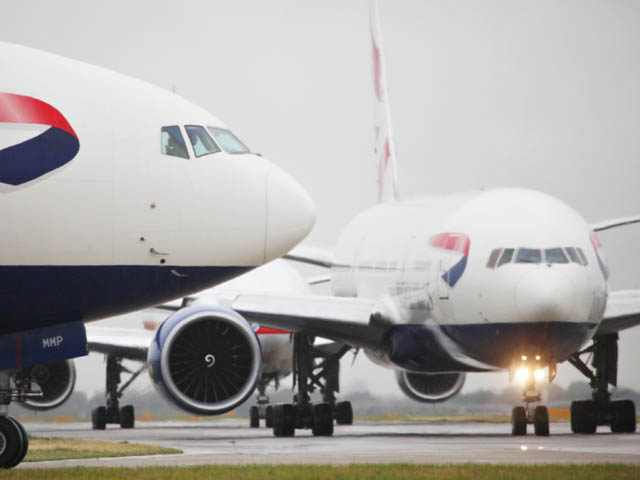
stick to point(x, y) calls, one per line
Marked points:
point(544, 296)
point(290, 213)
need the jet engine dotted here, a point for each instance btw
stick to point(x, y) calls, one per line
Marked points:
point(56, 380)
point(205, 359)
point(430, 387)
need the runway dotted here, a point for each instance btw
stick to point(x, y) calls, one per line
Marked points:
point(233, 442)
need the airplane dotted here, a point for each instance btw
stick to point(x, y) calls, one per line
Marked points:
point(435, 287)
point(117, 195)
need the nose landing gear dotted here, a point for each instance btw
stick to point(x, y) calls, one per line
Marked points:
point(531, 414)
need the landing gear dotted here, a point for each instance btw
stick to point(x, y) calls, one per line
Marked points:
point(263, 410)
point(313, 367)
point(112, 413)
point(14, 441)
point(537, 415)
point(587, 415)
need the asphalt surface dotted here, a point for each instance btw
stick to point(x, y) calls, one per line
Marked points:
point(233, 442)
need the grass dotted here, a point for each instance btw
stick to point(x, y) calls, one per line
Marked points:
point(42, 449)
point(349, 472)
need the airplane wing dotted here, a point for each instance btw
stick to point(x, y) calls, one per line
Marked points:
point(614, 222)
point(623, 311)
point(128, 343)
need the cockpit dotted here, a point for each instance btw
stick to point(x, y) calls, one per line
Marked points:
point(503, 256)
point(203, 141)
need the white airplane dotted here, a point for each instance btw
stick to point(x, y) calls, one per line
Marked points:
point(116, 195)
point(438, 286)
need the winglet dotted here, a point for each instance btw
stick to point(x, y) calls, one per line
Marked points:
point(384, 145)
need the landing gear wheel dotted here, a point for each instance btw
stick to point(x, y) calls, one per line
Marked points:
point(322, 419)
point(518, 421)
point(344, 413)
point(623, 416)
point(99, 418)
point(254, 417)
point(127, 417)
point(12, 443)
point(25, 442)
point(284, 418)
point(541, 421)
point(584, 417)
point(268, 417)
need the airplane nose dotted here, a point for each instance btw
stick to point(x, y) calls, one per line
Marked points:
point(290, 213)
point(544, 295)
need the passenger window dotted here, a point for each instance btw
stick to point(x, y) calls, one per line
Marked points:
point(228, 141)
point(507, 255)
point(172, 142)
point(528, 255)
point(573, 255)
point(201, 141)
point(493, 258)
point(555, 255)
point(583, 257)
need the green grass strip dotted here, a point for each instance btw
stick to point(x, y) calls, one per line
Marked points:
point(349, 472)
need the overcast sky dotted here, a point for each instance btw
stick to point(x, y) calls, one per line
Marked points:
point(537, 94)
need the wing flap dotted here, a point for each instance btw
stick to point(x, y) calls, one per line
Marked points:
point(623, 311)
point(614, 222)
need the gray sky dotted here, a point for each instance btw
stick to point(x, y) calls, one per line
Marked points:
point(539, 94)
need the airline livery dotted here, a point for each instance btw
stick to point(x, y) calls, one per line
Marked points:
point(116, 195)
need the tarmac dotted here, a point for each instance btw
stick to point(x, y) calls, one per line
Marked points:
point(232, 442)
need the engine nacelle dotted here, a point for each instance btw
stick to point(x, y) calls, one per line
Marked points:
point(56, 380)
point(430, 387)
point(205, 359)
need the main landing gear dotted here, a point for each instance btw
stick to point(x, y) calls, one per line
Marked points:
point(313, 367)
point(263, 410)
point(530, 414)
point(587, 415)
point(14, 441)
point(112, 413)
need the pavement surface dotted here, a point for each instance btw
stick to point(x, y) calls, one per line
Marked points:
point(233, 442)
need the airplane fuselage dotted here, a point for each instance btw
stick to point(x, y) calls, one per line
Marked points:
point(475, 281)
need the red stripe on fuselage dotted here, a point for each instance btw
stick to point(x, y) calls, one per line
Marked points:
point(21, 109)
point(456, 242)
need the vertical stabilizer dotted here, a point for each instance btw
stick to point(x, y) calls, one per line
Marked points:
point(384, 147)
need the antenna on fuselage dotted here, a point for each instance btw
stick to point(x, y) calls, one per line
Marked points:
point(384, 148)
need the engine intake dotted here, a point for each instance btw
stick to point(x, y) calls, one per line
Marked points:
point(205, 359)
point(430, 387)
point(56, 380)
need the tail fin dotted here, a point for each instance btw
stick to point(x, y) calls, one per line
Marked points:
point(384, 145)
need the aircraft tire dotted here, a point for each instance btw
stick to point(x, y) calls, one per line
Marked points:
point(254, 417)
point(284, 417)
point(268, 416)
point(11, 443)
point(322, 419)
point(584, 417)
point(99, 418)
point(518, 421)
point(127, 417)
point(25, 442)
point(624, 416)
point(344, 413)
point(541, 421)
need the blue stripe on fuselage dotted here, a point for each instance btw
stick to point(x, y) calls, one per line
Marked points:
point(38, 296)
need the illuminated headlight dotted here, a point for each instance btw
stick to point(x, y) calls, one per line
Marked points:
point(538, 374)
point(522, 374)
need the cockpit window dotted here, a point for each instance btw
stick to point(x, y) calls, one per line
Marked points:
point(493, 258)
point(583, 257)
point(228, 141)
point(507, 255)
point(555, 255)
point(201, 141)
point(172, 142)
point(573, 255)
point(528, 255)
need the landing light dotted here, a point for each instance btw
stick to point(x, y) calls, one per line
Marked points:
point(523, 357)
point(522, 374)
point(538, 374)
